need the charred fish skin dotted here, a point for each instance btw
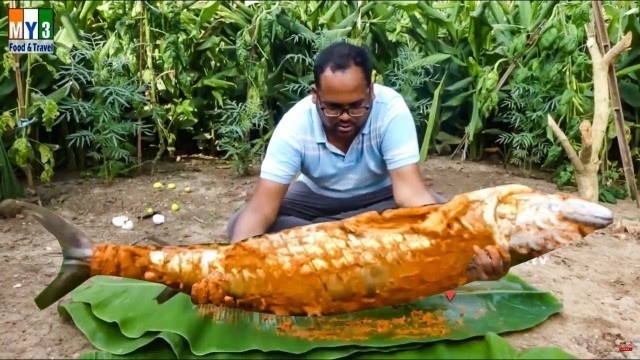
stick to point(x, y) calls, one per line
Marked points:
point(370, 260)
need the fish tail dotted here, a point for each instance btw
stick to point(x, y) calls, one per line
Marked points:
point(76, 250)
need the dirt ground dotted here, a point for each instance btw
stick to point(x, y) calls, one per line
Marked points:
point(597, 280)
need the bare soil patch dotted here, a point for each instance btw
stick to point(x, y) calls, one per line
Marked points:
point(597, 280)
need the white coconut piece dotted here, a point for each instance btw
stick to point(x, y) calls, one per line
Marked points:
point(118, 221)
point(158, 219)
point(127, 225)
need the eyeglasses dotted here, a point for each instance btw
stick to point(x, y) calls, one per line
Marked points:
point(333, 112)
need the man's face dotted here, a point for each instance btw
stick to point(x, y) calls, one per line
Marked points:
point(343, 101)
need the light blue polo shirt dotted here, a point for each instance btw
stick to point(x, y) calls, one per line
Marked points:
point(299, 146)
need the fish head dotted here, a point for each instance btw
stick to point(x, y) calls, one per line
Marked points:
point(531, 223)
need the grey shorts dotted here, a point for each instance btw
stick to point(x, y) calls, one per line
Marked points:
point(302, 206)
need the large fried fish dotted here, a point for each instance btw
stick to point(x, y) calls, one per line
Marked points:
point(367, 261)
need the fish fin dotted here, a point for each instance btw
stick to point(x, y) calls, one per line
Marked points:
point(76, 251)
point(166, 294)
point(70, 277)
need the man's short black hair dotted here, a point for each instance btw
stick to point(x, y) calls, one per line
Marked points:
point(340, 56)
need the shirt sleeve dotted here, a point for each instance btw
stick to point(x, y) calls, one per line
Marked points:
point(283, 158)
point(399, 143)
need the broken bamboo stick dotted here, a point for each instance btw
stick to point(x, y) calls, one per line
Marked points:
point(625, 152)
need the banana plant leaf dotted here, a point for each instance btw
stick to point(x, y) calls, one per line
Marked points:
point(10, 187)
point(120, 316)
point(492, 346)
point(170, 345)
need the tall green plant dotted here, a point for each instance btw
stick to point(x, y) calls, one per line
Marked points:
point(189, 56)
point(234, 123)
point(104, 98)
point(557, 80)
point(33, 109)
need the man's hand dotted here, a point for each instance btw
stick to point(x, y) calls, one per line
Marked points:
point(408, 187)
point(261, 210)
point(491, 263)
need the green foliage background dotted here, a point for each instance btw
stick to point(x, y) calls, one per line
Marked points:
point(133, 82)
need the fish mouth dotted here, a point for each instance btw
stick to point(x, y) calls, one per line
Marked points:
point(586, 213)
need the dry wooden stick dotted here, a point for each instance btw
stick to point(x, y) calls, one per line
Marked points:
point(530, 42)
point(564, 141)
point(141, 72)
point(586, 138)
point(614, 93)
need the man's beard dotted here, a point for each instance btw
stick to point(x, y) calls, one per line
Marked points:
point(344, 128)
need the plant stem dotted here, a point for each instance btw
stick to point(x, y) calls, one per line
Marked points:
point(28, 84)
point(22, 103)
point(149, 59)
point(564, 141)
point(140, 73)
point(27, 131)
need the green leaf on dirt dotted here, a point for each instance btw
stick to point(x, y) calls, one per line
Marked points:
point(104, 335)
point(112, 344)
point(492, 346)
point(129, 307)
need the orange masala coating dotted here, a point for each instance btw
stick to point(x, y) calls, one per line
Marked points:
point(367, 261)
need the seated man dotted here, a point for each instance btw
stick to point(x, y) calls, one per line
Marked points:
point(354, 144)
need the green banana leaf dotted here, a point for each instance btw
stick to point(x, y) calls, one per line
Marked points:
point(492, 346)
point(168, 345)
point(120, 316)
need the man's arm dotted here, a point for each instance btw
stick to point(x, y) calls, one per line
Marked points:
point(401, 153)
point(282, 162)
point(408, 187)
point(261, 210)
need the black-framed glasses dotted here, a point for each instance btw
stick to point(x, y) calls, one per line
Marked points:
point(336, 112)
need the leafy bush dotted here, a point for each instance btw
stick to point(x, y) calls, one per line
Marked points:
point(180, 66)
point(104, 96)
